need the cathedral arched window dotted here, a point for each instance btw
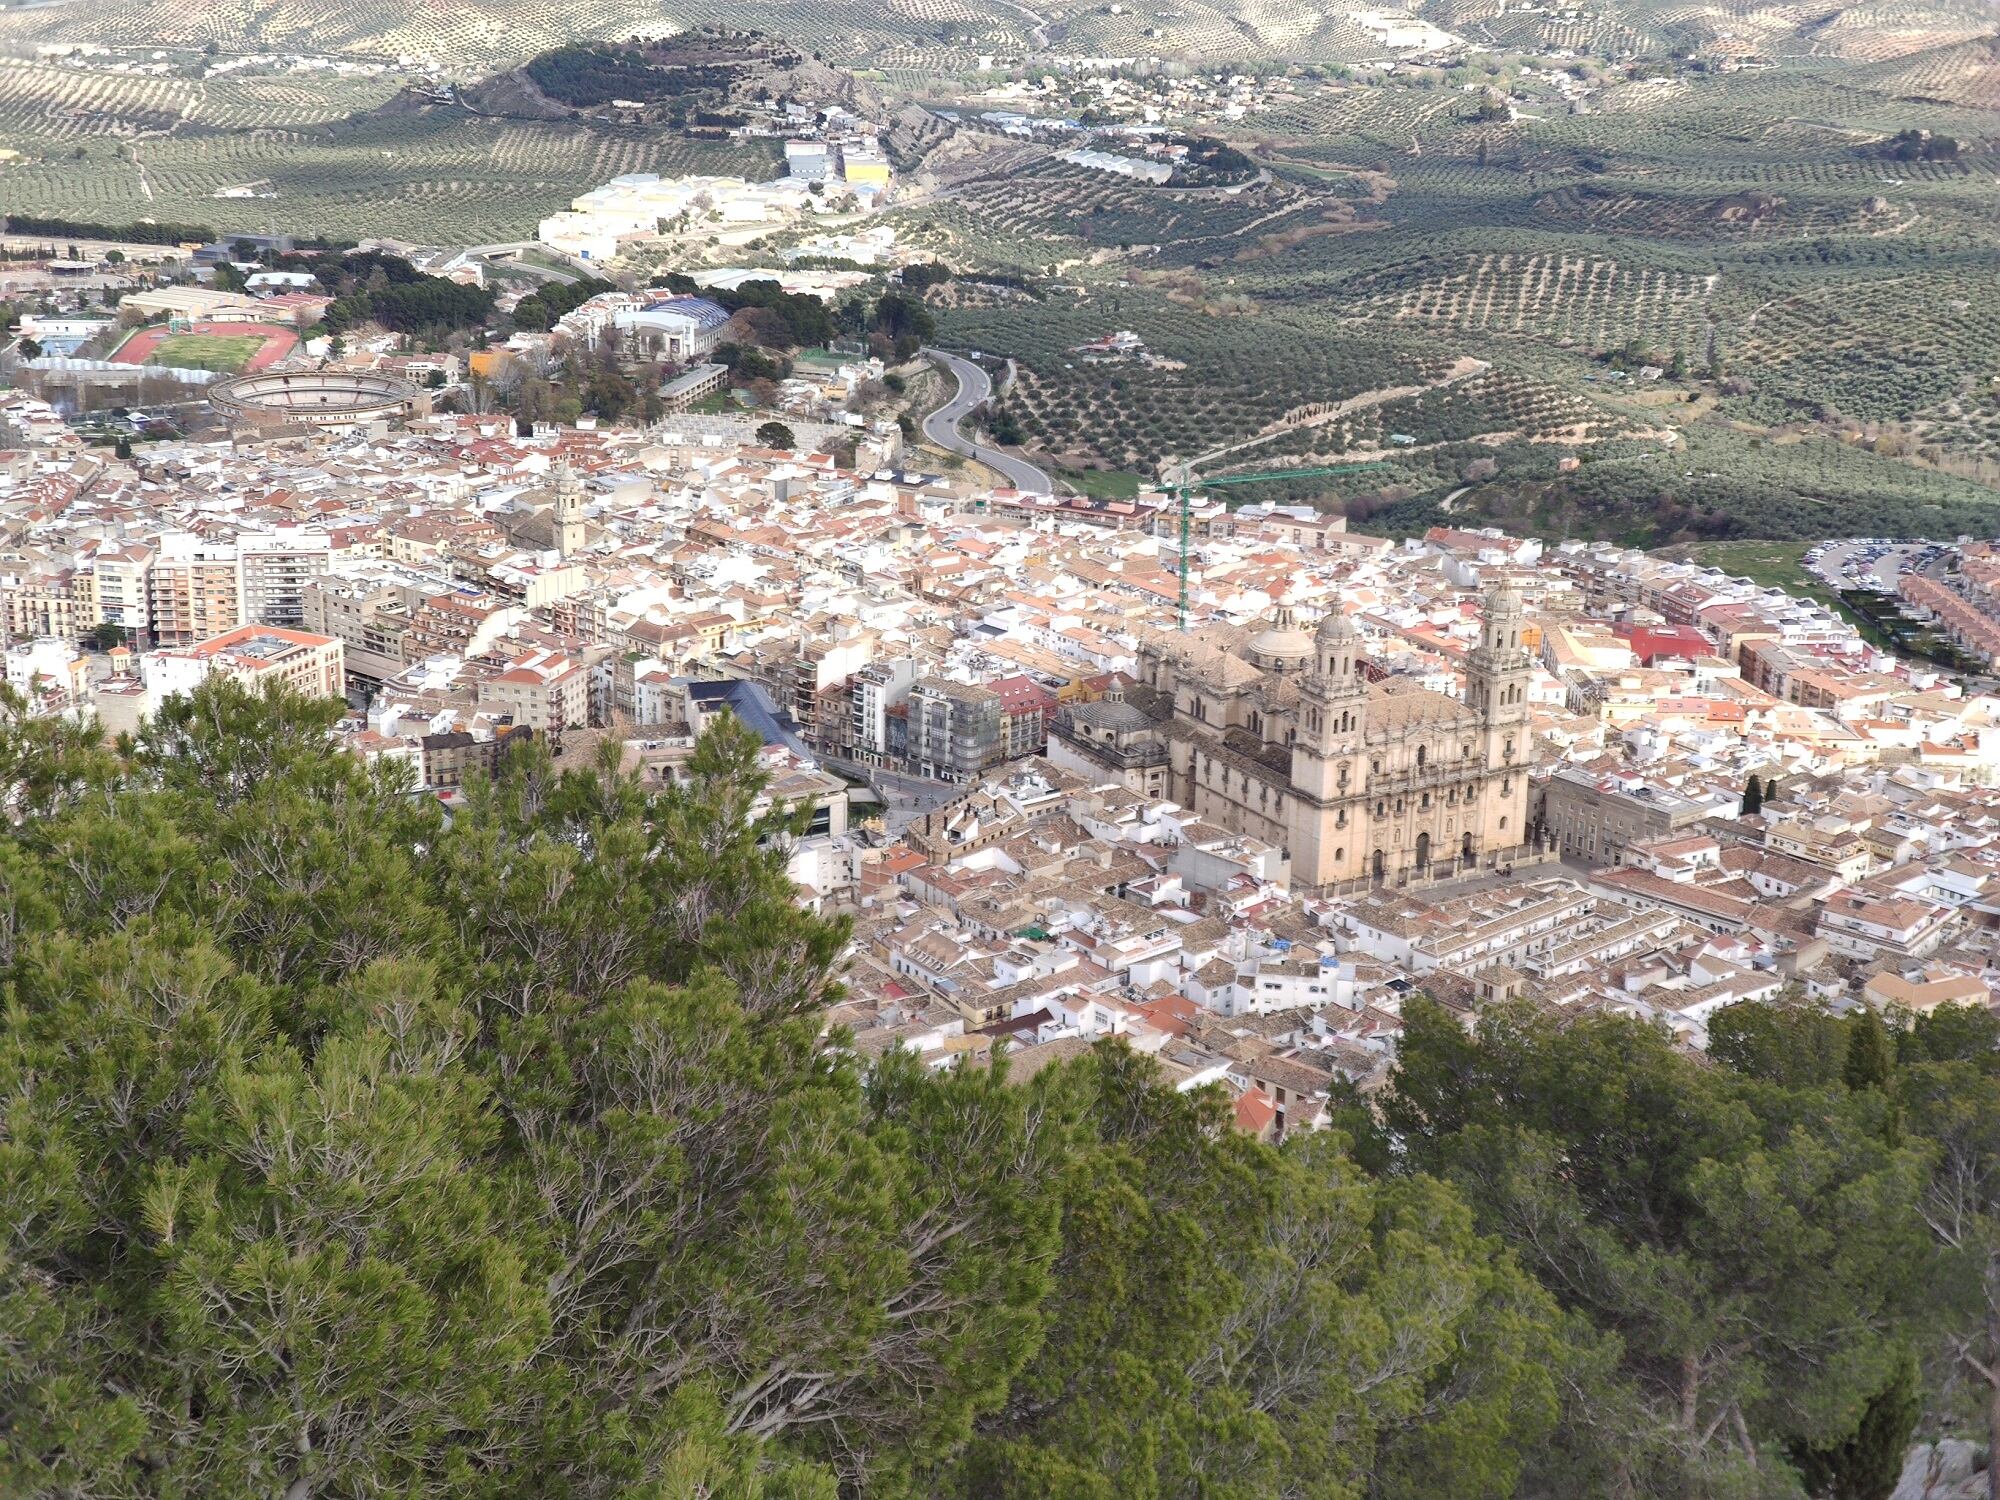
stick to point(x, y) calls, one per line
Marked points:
point(1420, 757)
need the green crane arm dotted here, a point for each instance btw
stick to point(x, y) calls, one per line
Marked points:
point(1263, 476)
point(1189, 485)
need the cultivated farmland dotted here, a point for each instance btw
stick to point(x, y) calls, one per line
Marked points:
point(438, 175)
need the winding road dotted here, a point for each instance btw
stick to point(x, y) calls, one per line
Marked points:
point(941, 426)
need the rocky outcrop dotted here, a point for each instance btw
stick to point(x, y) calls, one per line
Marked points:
point(1951, 1469)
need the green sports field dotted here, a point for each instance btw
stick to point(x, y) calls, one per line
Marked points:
point(225, 353)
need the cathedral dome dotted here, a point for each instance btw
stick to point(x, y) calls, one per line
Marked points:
point(1335, 627)
point(1281, 646)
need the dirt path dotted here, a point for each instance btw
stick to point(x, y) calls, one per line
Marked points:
point(195, 102)
point(1316, 415)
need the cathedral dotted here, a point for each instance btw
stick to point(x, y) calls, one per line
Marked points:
point(1282, 735)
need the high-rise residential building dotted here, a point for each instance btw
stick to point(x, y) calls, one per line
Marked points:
point(277, 567)
point(195, 589)
point(955, 729)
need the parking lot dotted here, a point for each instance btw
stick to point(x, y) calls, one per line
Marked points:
point(1871, 562)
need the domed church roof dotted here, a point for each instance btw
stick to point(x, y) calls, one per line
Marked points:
point(1281, 644)
point(1335, 626)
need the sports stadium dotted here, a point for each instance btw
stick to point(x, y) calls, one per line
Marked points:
point(318, 398)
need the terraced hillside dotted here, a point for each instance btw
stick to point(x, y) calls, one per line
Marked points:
point(1713, 300)
point(258, 153)
point(914, 40)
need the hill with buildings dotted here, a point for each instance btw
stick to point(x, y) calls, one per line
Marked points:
point(1661, 273)
point(600, 900)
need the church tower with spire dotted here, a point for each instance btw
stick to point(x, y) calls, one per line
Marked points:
point(568, 519)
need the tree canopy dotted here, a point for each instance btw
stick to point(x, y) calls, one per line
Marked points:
point(354, 1147)
point(348, 1147)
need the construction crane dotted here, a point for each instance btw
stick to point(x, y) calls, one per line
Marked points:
point(1179, 479)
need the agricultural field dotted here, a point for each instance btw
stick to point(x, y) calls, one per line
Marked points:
point(1918, 350)
point(1825, 306)
point(1015, 214)
point(1573, 300)
point(436, 175)
point(921, 36)
point(477, 31)
point(911, 43)
point(1211, 383)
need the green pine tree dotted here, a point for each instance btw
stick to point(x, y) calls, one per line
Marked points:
point(351, 1151)
point(1866, 1464)
point(1869, 1051)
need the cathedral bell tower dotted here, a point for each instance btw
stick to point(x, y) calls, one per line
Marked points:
point(1332, 702)
point(1497, 679)
point(1499, 670)
point(1327, 764)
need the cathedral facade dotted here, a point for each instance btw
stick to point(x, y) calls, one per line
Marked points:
point(1280, 734)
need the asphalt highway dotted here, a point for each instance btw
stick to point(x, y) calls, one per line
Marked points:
point(941, 426)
